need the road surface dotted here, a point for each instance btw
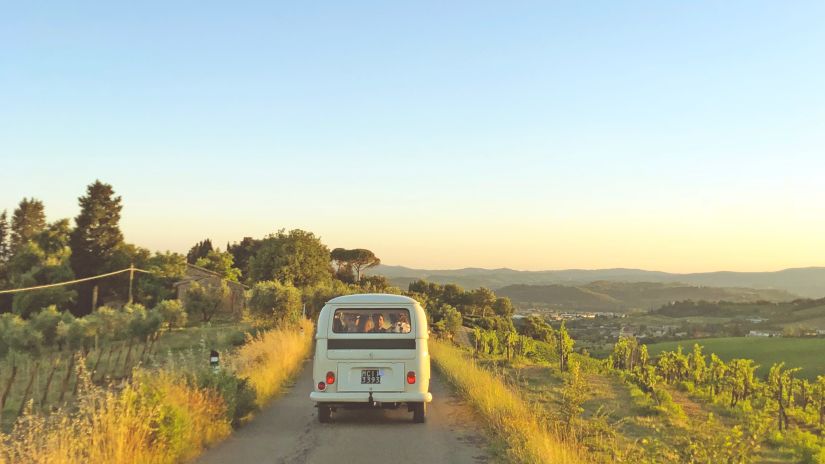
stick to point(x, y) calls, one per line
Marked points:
point(288, 432)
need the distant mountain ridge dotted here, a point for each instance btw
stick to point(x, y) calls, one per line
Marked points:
point(605, 295)
point(806, 282)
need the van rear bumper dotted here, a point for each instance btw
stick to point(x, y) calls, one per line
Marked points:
point(364, 397)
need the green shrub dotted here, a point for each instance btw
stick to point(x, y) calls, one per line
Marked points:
point(666, 404)
point(172, 313)
point(236, 392)
point(236, 338)
point(806, 447)
point(686, 386)
point(272, 302)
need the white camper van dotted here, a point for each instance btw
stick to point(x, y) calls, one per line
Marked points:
point(371, 351)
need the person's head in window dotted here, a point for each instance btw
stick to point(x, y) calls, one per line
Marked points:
point(338, 325)
point(402, 326)
point(352, 322)
point(380, 325)
point(365, 324)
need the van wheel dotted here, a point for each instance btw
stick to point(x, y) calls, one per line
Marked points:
point(324, 413)
point(419, 412)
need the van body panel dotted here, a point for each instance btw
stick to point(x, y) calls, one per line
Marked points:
point(371, 354)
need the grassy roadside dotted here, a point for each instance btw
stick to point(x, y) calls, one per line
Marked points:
point(272, 358)
point(529, 439)
point(165, 415)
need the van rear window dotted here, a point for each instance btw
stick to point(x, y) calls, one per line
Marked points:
point(375, 320)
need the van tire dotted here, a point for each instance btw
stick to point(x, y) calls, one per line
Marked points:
point(324, 413)
point(419, 412)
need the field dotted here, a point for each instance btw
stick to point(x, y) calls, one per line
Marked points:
point(795, 352)
point(50, 386)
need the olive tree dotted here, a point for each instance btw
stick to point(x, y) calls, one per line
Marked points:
point(275, 301)
point(172, 313)
point(205, 300)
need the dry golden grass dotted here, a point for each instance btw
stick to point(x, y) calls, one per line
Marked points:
point(529, 440)
point(272, 358)
point(158, 418)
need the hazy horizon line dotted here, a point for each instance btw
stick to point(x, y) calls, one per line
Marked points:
point(505, 268)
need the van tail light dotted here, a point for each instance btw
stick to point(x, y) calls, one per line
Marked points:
point(322, 386)
point(411, 377)
point(330, 378)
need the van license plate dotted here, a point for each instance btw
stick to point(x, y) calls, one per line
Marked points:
point(370, 376)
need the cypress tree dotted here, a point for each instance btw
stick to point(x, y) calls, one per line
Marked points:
point(4, 237)
point(199, 250)
point(95, 237)
point(29, 219)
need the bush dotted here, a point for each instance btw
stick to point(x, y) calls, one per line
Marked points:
point(666, 404)
point(27, 304)
point(172, 313)
point(686, 386)
point(203, 301)
point(445, 320)
point(236, 392)
point(806, 447)
point(46, 322)
point(273, 301)
point(18, 335)
point(236, 338)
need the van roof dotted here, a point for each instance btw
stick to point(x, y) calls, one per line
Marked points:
point(372, 298)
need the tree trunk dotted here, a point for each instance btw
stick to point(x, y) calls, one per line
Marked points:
point(822, 417)
point(28, 390)
point(804, 393)
point(65, 385)
point(45, 396)
point(7, 389)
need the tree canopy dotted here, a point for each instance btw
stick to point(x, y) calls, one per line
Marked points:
point(198, 251)
point(356, 260)
point(221, 263)
point(4, 238)
point(296, 257)
point(95, 237)
point(28, 220)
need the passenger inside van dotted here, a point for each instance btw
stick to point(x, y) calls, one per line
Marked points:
point(371, 321)
point(380, 326)
point(366, 324)
point(402, 326)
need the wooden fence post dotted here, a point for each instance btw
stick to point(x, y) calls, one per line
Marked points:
point(80, 367)
point(65, 385)
point(109, 360)
point(6, 390)
point(117, 359)
point(45, 397)
point(32, 375)
point(128, 353)
point(97, 362)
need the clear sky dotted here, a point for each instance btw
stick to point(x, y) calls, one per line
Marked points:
point(677, 136)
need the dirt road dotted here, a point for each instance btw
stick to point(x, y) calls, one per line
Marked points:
point(288, 432)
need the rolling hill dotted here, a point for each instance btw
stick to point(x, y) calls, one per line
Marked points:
point(630, 296)
point(807, 282)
